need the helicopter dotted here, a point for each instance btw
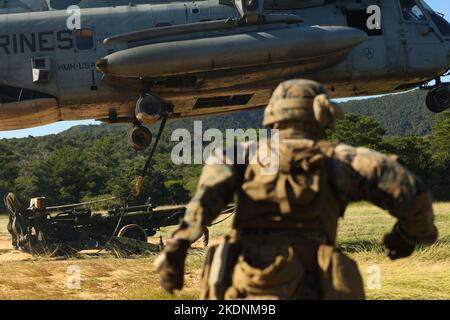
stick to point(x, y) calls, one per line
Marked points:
point(146, 61)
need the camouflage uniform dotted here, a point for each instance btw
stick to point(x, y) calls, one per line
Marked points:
point(14, 207)
point(282, 244)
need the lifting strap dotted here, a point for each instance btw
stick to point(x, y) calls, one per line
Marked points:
point(136, 191)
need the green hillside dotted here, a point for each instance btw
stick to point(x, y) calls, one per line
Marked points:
point(398, 114)
point(85, 162)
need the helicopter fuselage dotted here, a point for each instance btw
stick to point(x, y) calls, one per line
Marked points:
point(50, 73)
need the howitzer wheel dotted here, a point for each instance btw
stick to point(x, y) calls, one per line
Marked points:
point(133, 231)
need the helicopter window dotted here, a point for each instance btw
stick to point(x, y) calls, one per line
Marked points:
point(223, 101)
point(358, 19)
point(441, 23)
point(411, 11)
point(163, 24)
point(39, 63)
point(438, 19)
point(84, 38)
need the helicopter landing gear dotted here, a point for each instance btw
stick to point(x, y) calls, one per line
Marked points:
point(135, 192)
point(149, 110)
point(438, 98)
point(140, 138)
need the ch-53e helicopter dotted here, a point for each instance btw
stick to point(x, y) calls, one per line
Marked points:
point(144, 61)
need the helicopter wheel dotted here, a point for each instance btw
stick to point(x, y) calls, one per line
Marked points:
point(149, 109)
point(140, 138)
point(438, 99)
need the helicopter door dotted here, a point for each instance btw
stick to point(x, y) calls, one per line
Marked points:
point(395, 39)
point(419, 36)
point(370, 55)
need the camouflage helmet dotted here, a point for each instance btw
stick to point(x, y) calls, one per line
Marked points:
point(305, 101)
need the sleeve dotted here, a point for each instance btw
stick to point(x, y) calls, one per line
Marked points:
point(364, 174)
point(217, 185)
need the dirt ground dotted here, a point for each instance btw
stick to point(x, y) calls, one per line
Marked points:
point(102, 276)
point(425, 275)
point(7, 253)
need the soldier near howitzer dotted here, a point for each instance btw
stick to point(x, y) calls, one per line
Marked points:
point(283, 241)
point(14, 208)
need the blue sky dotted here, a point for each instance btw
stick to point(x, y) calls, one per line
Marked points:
point(442, 6)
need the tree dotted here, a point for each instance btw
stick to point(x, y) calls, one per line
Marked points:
point(358, 130)
point(9, 168)
point(440, 154)
point(413, 151)
point(440, 140)
point(178, 194)
point(65, 176)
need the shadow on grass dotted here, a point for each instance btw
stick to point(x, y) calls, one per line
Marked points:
point(360, 246)
point(439, 248)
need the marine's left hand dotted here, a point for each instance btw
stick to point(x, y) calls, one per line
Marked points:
point(170, 265)
point(397, 245)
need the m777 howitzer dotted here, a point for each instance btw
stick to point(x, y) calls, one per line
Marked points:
point(72, 228)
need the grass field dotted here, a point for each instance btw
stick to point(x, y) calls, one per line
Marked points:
point(425, 275)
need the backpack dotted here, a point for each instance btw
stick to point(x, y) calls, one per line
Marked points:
point(302, 174)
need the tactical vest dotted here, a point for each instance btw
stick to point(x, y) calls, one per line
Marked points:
point(299, 195)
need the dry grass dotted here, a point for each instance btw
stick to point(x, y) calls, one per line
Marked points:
point(426, 275)
point(3, 224)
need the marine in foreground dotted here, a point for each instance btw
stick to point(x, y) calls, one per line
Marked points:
point(282, 245)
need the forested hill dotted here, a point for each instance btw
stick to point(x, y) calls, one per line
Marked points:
point(398, 114)
point(86, 162)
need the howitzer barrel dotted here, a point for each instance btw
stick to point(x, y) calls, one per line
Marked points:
point(230, 51)
point(144, 208)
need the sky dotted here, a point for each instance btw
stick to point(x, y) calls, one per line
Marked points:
point(442, 6)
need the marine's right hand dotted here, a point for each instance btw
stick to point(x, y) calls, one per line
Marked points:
point(170, 265)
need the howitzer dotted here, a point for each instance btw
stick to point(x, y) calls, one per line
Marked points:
point(71, 228)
